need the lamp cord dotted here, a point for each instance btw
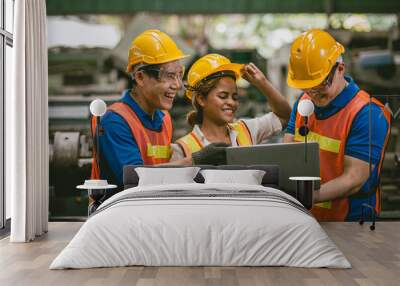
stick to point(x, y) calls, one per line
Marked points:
point(98, 141)
point(370, 147)
point(305, 139)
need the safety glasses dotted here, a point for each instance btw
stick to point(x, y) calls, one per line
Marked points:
point(327, 82)
point(164, 75)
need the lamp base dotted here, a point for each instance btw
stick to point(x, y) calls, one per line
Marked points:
point(373, 212)
point(305, 189)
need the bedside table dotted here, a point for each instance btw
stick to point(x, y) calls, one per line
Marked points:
point(305, 189)
point(97, 191)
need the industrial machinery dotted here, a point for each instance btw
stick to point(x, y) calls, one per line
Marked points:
point(79, 75)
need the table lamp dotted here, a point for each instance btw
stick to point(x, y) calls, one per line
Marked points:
point(305, 109)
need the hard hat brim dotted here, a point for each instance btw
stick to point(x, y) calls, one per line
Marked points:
point(304, 84)
point(172, 59)
point(189, 94)
point(236, 68)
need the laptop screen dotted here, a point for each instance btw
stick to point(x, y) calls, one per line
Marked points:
point(290, 157)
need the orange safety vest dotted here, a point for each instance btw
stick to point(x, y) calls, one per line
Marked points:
point(331, 134)
point(190, 143)
point(153, 146)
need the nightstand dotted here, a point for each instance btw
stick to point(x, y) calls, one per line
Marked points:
point(305, 189)
point(97, 192)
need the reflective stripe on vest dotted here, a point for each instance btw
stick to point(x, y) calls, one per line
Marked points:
point(190, 143)
point(154, 146)
point(324, 205)
point(243, 135)
point(325, 143)
point(158, 151)
point(331, 134)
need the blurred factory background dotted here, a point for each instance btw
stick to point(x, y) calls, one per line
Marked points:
point(88, 45)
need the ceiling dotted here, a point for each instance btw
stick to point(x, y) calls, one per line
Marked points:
point(75, 7)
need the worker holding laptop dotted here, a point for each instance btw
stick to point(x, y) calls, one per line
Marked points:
point(340, 124)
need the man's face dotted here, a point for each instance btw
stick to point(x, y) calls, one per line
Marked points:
point(160, 90)
point(325, 92)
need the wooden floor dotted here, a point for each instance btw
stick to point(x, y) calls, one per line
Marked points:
point(375, 256)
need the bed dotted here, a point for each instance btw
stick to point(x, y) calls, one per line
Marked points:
point(201, 224)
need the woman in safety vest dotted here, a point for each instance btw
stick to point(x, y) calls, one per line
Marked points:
point(213, 92)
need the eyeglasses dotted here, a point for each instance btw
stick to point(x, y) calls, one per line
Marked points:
point(327, 82)
point(164, 75)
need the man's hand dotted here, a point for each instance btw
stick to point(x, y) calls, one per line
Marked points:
point(316, 195)
point(212, 154)
point(288, 138)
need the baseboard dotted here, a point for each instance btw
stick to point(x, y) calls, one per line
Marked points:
point(5, 231)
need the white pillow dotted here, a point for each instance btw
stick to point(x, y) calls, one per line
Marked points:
point(248, 177)
point(166, 176)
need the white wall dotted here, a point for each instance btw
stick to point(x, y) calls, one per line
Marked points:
point(8, 70)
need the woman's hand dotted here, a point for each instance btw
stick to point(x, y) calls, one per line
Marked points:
point(254, 75)
point(276, 101)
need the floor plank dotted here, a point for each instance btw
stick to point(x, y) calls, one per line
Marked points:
point(374, 255)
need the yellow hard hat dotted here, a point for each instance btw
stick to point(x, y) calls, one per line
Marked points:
point(153, 47)
point(209, 65)
point(312, 56)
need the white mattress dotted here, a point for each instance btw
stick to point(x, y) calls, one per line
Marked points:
point(185, 230)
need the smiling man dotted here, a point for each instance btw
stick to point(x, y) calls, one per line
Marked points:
point(340, 124)
point(137, 130)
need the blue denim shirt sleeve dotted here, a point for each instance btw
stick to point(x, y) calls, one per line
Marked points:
point(358, 140)
point(118, 146)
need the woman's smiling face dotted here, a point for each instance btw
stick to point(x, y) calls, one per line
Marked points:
point(221, 102)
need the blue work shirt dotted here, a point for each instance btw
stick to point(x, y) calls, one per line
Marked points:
point(118, 147)
point(357, 144)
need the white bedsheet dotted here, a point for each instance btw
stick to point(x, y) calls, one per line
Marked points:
point(184, 231)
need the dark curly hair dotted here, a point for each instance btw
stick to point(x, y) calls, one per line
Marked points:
point(195, 116)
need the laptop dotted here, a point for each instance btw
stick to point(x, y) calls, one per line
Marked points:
point(290, 157)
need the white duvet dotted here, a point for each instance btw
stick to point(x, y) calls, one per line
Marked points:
point(207, 230)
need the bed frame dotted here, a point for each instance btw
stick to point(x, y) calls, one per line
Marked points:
point(270, 179)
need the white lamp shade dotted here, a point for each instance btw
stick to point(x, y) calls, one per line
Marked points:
point(305, 107)
point(98, 107)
